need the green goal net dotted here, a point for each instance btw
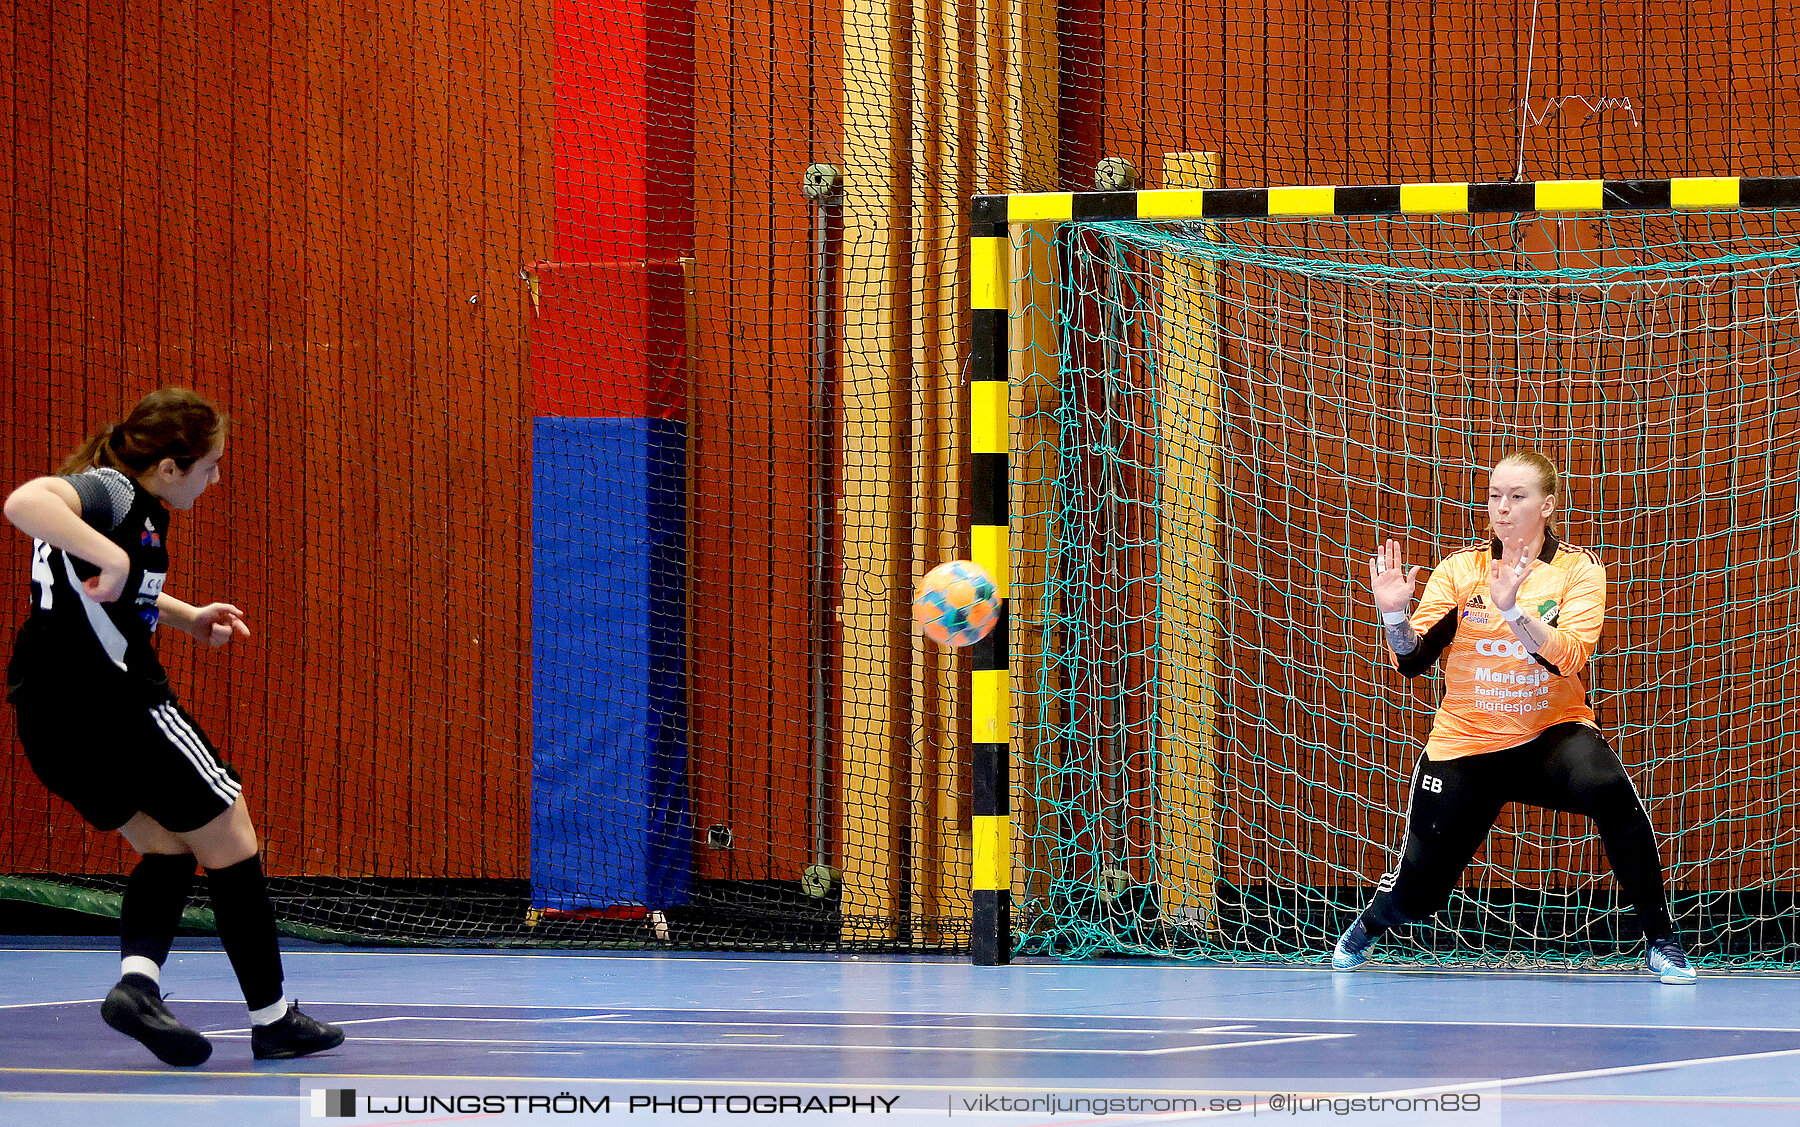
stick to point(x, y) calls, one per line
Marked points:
point(1219, 420)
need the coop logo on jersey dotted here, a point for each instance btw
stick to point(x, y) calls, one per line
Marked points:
point(151, 538)
point(1500, 647)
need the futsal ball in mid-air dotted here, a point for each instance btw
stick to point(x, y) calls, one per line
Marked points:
point(956, 604)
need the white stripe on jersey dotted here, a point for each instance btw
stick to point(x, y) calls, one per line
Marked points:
point(184, 738)
point(111, 640)
point(42, 575)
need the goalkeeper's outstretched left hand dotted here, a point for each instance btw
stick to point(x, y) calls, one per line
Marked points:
point(1507, 574)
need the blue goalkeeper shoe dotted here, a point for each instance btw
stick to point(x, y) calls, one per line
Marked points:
point(1352, 949)
point(1669, 962)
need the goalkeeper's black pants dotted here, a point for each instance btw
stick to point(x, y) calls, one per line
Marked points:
point(1569, 767)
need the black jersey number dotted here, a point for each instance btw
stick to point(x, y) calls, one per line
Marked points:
point(41, 573)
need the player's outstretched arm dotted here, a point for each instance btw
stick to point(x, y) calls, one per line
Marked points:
point(1563, 647)
point(1506, 576)
point(215, 623)
point(1392, 586)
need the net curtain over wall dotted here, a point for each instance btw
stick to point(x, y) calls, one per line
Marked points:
point(319, 214)
point(609, 807)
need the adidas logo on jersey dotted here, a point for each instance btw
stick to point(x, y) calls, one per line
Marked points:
point(1475, 611)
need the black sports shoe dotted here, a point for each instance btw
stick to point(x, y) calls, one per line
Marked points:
point(135, 1008)
point(295, 1035)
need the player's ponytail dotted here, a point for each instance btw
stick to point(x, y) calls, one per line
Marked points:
point(1549, 478)
point(171, 422)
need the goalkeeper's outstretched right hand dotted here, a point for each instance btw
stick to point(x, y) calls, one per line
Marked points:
point(1391, 583)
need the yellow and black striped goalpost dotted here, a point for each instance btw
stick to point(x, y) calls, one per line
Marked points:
point(989, 439)
point(991, 285)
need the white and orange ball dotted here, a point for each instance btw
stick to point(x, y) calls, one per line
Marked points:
point(956, 604)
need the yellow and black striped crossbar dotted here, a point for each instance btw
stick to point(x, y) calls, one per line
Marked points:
point(1681, 193)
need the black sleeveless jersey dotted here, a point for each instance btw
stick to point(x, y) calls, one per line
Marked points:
point(71, 639)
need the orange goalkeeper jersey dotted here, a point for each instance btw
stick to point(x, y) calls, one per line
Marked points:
point(1495, 694)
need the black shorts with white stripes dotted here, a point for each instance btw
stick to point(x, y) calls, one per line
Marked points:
point(112, 758)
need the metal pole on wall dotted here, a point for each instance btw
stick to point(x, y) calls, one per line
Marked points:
point(823, 187)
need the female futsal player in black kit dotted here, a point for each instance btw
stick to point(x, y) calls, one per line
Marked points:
point(102, 729)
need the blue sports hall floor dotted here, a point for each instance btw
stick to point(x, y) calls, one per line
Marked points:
point(618, 1038)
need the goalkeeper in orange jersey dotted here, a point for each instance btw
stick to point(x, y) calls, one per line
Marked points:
point(1514, 621)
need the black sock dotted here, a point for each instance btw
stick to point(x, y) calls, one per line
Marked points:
point(1381, 916)
point(150, 911)
point(247, 928)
